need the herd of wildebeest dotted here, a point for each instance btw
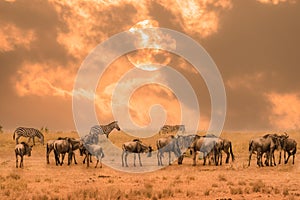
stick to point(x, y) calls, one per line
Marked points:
point(210, 145)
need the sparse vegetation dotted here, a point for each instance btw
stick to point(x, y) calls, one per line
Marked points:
point(222, 177)
point(285, 191)
point(179, 182)
point(258, 186)
point(206, 192)
point(236, 190)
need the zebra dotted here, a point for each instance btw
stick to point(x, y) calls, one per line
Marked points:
point(105, 129)
point(169, 129)
point(28, 132)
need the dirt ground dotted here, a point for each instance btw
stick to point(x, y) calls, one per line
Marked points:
point(235, 180)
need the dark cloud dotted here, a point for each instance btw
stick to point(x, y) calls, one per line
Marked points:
point(256, 38)
point(252, 38)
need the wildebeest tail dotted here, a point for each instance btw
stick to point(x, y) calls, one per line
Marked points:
point(250, 145)
point(230, 149)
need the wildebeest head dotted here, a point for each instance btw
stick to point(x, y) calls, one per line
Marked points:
point(180, 159)
point(149, 151)
point(28, 149)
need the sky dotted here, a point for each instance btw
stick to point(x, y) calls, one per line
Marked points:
point(254, 43)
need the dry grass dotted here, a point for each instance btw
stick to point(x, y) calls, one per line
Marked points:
point(230, 181)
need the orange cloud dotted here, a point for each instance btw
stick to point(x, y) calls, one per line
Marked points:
point(285, 110)
point(11, 37)
point(43, 80)
point(200, 17)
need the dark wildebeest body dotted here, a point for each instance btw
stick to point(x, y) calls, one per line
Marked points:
point(266, 144)
point(135, 147)
point(92, 149)
point(21, 150)
point(50, 146)
point(207, 145)
point(63, 147)
point(168, 144)
point(289, 147)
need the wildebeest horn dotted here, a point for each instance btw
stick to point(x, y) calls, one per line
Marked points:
point(286, 134)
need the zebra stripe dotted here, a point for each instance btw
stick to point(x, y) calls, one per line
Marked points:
point(168, 128)
point(28, 132)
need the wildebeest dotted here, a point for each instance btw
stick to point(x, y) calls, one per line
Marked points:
point(289, 146)
point(207, 145)
point(223, 145)
point(266, 144)
point(168, 144)
point(92, 149)
point(136, 147)
point(64, 146)
point(21, 150)
point(50, 146)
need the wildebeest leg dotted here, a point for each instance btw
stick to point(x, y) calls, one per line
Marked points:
point(87, 159)
point(56, 156)
point(227, 156)
point(62, 158)
point(96, 163)
point(284, 156)
point(271, 157)
point(33, 140)
point(123, 158)
point(21, 163)
point(220, 153)
point(28, 140)
point(140, 159)
point(16, 160)
point(158, 155)
point(134, 157)
point(274, 159)
point(194, 158)
point(48, 151)
point(180, 159)
point(170, 158)
point(259, 158)
point(279, 162)
point(73, 156)
point(204, 158)
point(70, 156)
point(293, 158)
point(289, 154)
point(250, 154)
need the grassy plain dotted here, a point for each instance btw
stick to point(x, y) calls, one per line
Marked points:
point(235, 180)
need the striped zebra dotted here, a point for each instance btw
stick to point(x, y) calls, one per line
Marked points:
point(104, 129)
point(28, 132)
point(170, 129)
